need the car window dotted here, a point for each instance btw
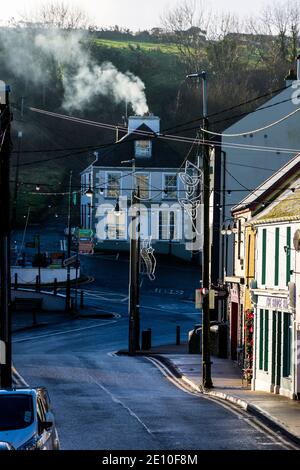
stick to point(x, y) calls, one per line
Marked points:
point(16, 411)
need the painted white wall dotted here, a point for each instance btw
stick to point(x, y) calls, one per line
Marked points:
point(270, 255)
point(28, 275)
point(285, 134)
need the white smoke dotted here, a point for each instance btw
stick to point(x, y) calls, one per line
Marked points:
point(82, 78)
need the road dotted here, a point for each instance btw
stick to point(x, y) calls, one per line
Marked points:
point(106, 401)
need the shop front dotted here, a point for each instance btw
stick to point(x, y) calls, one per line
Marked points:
point(273, 345)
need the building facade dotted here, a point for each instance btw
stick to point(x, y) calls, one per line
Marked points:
point(275, 295)
point(140, 161)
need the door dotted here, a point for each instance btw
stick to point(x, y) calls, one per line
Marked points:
point(276, 350)
point(234, 330)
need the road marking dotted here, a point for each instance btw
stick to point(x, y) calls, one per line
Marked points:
point(21, 381)
point(240, 413)
point(119, 402)
point(56, 333)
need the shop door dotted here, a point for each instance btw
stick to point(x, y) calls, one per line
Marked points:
point(234, 330)
point(276, 349)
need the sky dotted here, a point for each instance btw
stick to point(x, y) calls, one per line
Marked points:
point(133, 14)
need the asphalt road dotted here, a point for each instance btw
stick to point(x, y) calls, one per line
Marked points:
point(104, 401)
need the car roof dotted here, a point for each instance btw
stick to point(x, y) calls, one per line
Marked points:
point(18, 391)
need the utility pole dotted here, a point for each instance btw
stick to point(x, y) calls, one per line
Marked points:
point(134, 273)
point(15, 204)
point(206, 362)
point(68, 286)
point(5, 227)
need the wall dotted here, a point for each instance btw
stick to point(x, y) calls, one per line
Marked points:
point(28, 275)
point(51, 302)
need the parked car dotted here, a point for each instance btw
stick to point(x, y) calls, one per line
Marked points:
point(26, 420)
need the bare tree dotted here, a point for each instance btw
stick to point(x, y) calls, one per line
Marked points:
point(57, 14)
point(186, 26)
point(275, 36)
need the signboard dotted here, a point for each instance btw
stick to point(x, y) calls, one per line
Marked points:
point(86, 247)
point(85, 233)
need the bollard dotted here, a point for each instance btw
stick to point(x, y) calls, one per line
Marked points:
point(81, 299)
point(146, 339)
point(55, 286)
point(177, 335)
point(16, 281)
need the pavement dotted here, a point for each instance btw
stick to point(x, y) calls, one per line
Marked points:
point(280, 413)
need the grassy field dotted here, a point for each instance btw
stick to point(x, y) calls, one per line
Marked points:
point(144, 46)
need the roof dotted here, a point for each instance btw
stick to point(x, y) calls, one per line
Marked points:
point(287, 209)
point(273, 184)
point(163, 155)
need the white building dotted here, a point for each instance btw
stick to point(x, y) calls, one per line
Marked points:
point(276, 295)
point(112, 179)
point(252, 158)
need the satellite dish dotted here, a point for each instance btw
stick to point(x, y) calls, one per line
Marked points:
point(296, 240)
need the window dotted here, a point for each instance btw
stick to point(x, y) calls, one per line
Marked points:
point(170, 186)
point(287, 344)
point(116, 227)
point(142, 181)
point(169, 225)
point(263, 340)
point(113, 185)
point(143, 148)
point(16, 411)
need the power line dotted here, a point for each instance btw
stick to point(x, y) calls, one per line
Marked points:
point(255, 131)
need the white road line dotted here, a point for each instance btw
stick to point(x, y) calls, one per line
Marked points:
point(119, 402)
point(56, 333)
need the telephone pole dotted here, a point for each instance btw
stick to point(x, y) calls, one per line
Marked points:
point(134, 272)
point(206, 362)
point(68, 286)
point(5, 227)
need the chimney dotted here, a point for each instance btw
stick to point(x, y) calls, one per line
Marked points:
point(153, 122)
point(298, 67)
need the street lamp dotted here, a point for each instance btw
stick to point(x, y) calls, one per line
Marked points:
point(89, 193)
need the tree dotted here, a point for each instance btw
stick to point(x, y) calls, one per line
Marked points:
point(186, 25)
point(58, 14)
point(275, 34)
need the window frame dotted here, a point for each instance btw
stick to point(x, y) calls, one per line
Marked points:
point(164, 187)
point(110, 172)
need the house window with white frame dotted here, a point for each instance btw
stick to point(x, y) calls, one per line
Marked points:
point(116, 228)
point(113, 185)
point(142, 182)
point(170, 186)
point(143, 148)
point(169, 224)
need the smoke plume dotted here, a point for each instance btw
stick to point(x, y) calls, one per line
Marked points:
point(35, 55)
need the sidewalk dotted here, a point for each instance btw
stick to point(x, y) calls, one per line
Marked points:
point(281, 413)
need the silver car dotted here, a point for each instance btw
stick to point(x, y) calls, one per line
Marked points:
point(26, 420)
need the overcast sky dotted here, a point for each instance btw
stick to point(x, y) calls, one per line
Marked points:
point(134, 14)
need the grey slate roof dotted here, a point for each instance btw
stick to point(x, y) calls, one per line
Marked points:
point(163, 155)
